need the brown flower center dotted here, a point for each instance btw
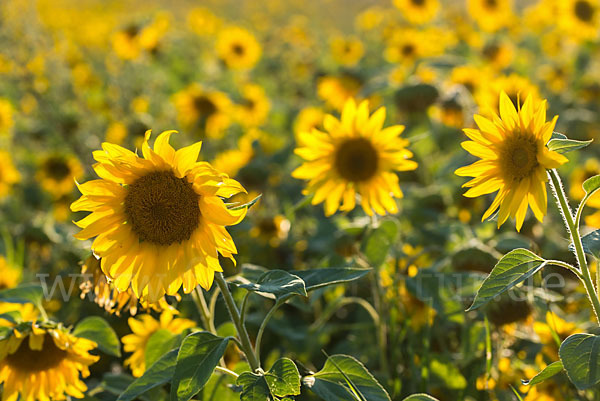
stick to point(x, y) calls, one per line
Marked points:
point(418, 2)
point(26, 359)
point(161, 208)
point(584, 10)
point(57, 168)
point(356, 160)
point(204, 106)
point(238, 49)
point(518, 156)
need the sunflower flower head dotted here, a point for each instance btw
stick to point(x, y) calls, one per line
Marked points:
point(354, 155)
point(43, 362)
point(158, 220)
point(514, 159)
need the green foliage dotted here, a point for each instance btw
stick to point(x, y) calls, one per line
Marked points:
point(377, 244)
point(420, 397)
point(330, 383)
point(97, 329)
point(156, 375)
point(550, 370)
point(579, 354)
point(278, 283)
point(591, 243)
point(197, 358)
point(159, 343)
point(319, 278)
point(514, 268)
point(280, 381)
point(561, 144)
point(24, 293)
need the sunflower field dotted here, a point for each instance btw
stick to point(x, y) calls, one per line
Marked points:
point(279, 200)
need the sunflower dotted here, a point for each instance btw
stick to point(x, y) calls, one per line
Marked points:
point(254, 107)
point(116, 132)
point(104, 293)
point(514, 159)
point(553, 326)
point(57, 172)
point(590, 168)
point(143, 327)
point(405, 46)
point(580, 18)
point(203, 22)
point(271, 229)
point(307, 119)
point(238, 48)
point(354, 155)
point(418, 11)
point(6, 117)
point(336, 90)
point(490, 15)
point(10, 275)
point(126, 42)
point(207, 110)
point(44, 362)
point(159, 221)
point(497, 54)
point(347, 51)
point(515, 86)
point(8, 174)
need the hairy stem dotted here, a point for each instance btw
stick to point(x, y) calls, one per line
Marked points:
point(573, 229)
point(235, 318)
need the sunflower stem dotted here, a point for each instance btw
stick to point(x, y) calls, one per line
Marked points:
point(263, 325)
point(573, 229)
point(235, 318)
point(205, 314)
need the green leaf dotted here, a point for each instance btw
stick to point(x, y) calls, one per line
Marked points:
point(591, 243)
point(318, 278)
point(12, 316)
point(238, 206)
point(579, 355)
point(98, 330)
point(159, 343)
point(561, 145)
point(283, 378)
point(157, 375)
point(278, 283)
point(330, 384)
point(254, 387)
point(377, 244)
point(420, 397)
point(514, 268)
point(198, 356)
point(591, 184)
point(546, 373)
point(25, 293)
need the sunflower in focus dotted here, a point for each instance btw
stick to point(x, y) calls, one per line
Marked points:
point(354, 155)
point(207, 110)
point(104, 293)
point(57, 172)
point(580, 18)
point(490, 15)
point(8, 174)
point(254, 106)
point(347, 51)
point(44, 363)
point(514, 159)
point(238, 48)
point(418, 11)
point(336, 90)
point(143, 327)
point(159, 221)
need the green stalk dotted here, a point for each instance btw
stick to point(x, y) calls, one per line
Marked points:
point(573, 229)
point(263, 325)
point(235, 318)
point(205, 314)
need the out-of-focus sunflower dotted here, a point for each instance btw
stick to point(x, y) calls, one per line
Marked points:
point(470, 77)
point(336, 90)
point(203, 22)
point(405, 46)
point(418, 11)
point(497, 54)
point(590, 168)
point(44, 363)
point(490, 15)
point(207, 110)
point(126, 42)
point(307, 119)
point(6, 117)
point(143, 327)
point(354, 155)
point(116, 132)
point(9, 275)
point(254, 107)
point(271, 229)
point(238, 48)
point(553, 326)
point(347, 51)
point(107, 296)
point(9, 175)
point(580, 18)
point(450, 112)
point(159, 221)
point(370, 18)
point(514, 159)
point(57, 173)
